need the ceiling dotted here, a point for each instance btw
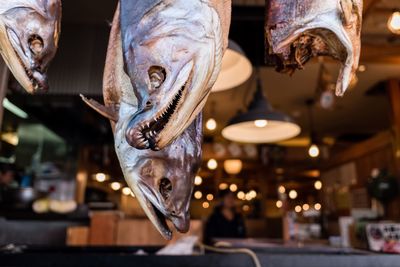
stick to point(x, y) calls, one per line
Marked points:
point(84, 40)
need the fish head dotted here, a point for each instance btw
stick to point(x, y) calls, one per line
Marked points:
point(300, 30)
point(173, 58)
point(29, 33)
point(163, 181)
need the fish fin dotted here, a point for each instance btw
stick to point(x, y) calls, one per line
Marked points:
point(224, 10)
point(107, 112)
point(349, 8)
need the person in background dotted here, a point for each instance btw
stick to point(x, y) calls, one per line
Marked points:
point(8, 176)
point(224, 222)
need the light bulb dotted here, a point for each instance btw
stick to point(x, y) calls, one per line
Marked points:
point(233, 187)
point(198, 180)
point(318, 185)
point(317, 206)
point(211, 124)
point(212, 164)
point(281, 189)
point(198, 195)
point(279, 204)
point(394, 23)
point(293, 194)
point(206, 205)
point(100, 177)
point(115, 186)
point(298, 209)
point(223, 186)
point(210, 197)
point(306, 207)
point(313, 151)
point(126, 191)
point(241, 195)
point(260, 123)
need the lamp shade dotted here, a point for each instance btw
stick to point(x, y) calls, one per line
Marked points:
point(236, 69)
point(261, 123)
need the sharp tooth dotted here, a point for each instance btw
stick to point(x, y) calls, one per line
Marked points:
point(148, 124)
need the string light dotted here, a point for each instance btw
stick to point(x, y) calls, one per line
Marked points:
point(115, 186)
point(126, 191)
point(233, 187)
point(100, 177)
point(297, 209)
point(211, 124)
point(198, 195)
point(210, 197)
point(223, 186)
point(246, 208)
point(212, 164)
point(317, 206)
point(306, 207)
point(206, 205)
point(241, 195)
point(313, 151)
point(281, 189)
point(293, 194)
point(198, 180)
point(394, 22)
point(279, 204)
point(318, 185)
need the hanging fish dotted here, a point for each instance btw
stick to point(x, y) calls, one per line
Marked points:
point(162, 181)
point(29, 33)
point(298, 30)
point(172, 53)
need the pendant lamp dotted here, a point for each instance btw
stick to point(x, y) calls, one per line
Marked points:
point(236, 69)
point(260, 123)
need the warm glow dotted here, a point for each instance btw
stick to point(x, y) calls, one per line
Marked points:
point(241, 195)
point(206, 205)
point(293, 194)
point(313, 151)
point(233, 166)
point(210, 197)
point(318, 185)
point(279, 204)
point(297, 209)
point(211, 124)
point(223, 186)
point(253, 194)
point(246, 208)
point(260, 123)
point(248, 197)
point(100, 177)
point(115, 186)
point(394, 23)
point(281, 189)
point(317, 206)
point(198, 180)
point(233, 187)
point(126, 191)
point(212, 164)
point(306, 207)
point(279, 171)
point(198, 195)
point(362, 68)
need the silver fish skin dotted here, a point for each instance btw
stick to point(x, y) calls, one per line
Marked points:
point(298, 30)
point(162, 181)
point(29, 34)
point(172, 53)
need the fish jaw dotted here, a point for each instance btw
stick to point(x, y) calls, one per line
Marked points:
point(188, 70)
point(321, 30)
point(162, 181)
point(29, 39)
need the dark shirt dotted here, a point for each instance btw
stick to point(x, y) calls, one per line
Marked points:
point(217, 226)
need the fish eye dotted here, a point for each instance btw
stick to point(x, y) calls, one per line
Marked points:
point(157, 76)
point(165, 188)
point(35, 44)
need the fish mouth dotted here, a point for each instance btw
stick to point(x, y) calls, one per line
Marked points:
point(148, 133)
point(33, 77)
